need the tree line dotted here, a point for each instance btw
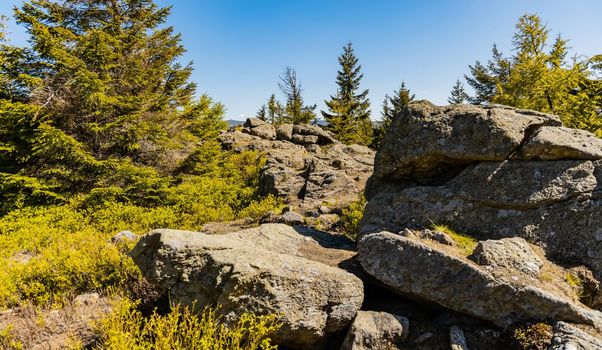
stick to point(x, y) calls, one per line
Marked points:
point(538, 75)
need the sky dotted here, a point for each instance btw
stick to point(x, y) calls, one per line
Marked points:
point(240, 47)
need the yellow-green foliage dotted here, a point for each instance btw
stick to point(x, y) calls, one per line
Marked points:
point(126, 329)
point(68, 248)
point(535, 336)
point(575, 283)
point(466, 243)
point(352, 215)
point(7, 341)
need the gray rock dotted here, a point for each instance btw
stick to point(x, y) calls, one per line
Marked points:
point(243, 272)
point(313, 130)
point(568, 337)
point(557, 205)
point(417, 270)
point(307, 177)
point(265, 131)
point(457, 341)
point(424, 139)
point(124, 236)
point(304, 139)
point(253, 122)
point(285, 132)
point(373, 330)
point(511, 253)
point(491, 172)
point(552, 143)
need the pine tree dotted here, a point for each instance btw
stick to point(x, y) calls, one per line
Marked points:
point(294, 109)
point(391, 108)
point(457, 94)
point(348, 113)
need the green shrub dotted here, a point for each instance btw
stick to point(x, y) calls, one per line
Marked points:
point(125, 328)
point(351, 217)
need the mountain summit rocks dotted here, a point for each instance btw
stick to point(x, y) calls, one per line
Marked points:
point(305, 166)
point(491, 172)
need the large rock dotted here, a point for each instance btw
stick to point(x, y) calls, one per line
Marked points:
point(305, 166)
point(412, 268)
point(372, 330)
point(248, 271)
point(491, 172)
point(568, 337)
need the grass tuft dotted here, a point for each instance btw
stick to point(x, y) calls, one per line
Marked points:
point(466, 243)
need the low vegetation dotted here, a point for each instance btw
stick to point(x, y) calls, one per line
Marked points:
point(126, 329)
point(351, 217)
point(533, 336)
point(464, 242)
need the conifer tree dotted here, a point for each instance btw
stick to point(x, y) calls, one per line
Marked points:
point(295, 111)
point(457, 94)
point(99, 102)
point(538, 76)
point(348, 113)
point(392, 105)
point(274, 111)
point(111, 79)
point(262, 113)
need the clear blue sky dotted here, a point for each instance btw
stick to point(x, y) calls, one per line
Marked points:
point(240, 47)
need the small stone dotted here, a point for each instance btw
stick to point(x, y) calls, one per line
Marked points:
point(376, 330)
point(124, 236)
point(324, 209)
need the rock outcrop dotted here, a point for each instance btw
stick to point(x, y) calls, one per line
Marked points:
point(264, 270)
point(491, 172)
point(305, 165)
point(413, 268)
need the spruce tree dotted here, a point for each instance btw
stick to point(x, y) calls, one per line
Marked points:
point(457, 94)
point(262, 113)
point(274, 111)
point(348, 113)
point(98, 102)
point(294, 109)
point(112, 79)
point(392, 105)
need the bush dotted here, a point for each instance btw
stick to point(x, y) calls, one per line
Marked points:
point(351, 217)
point(533, 336)
point(126, 328)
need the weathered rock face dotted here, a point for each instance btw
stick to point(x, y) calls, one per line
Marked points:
point(413, 268)
point(248, 271)
point(567, 337)
point(509, 253)
point(491, 172)
point(373, 330)
point(305, 165)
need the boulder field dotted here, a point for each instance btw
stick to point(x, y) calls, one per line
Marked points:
point(482, 230)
